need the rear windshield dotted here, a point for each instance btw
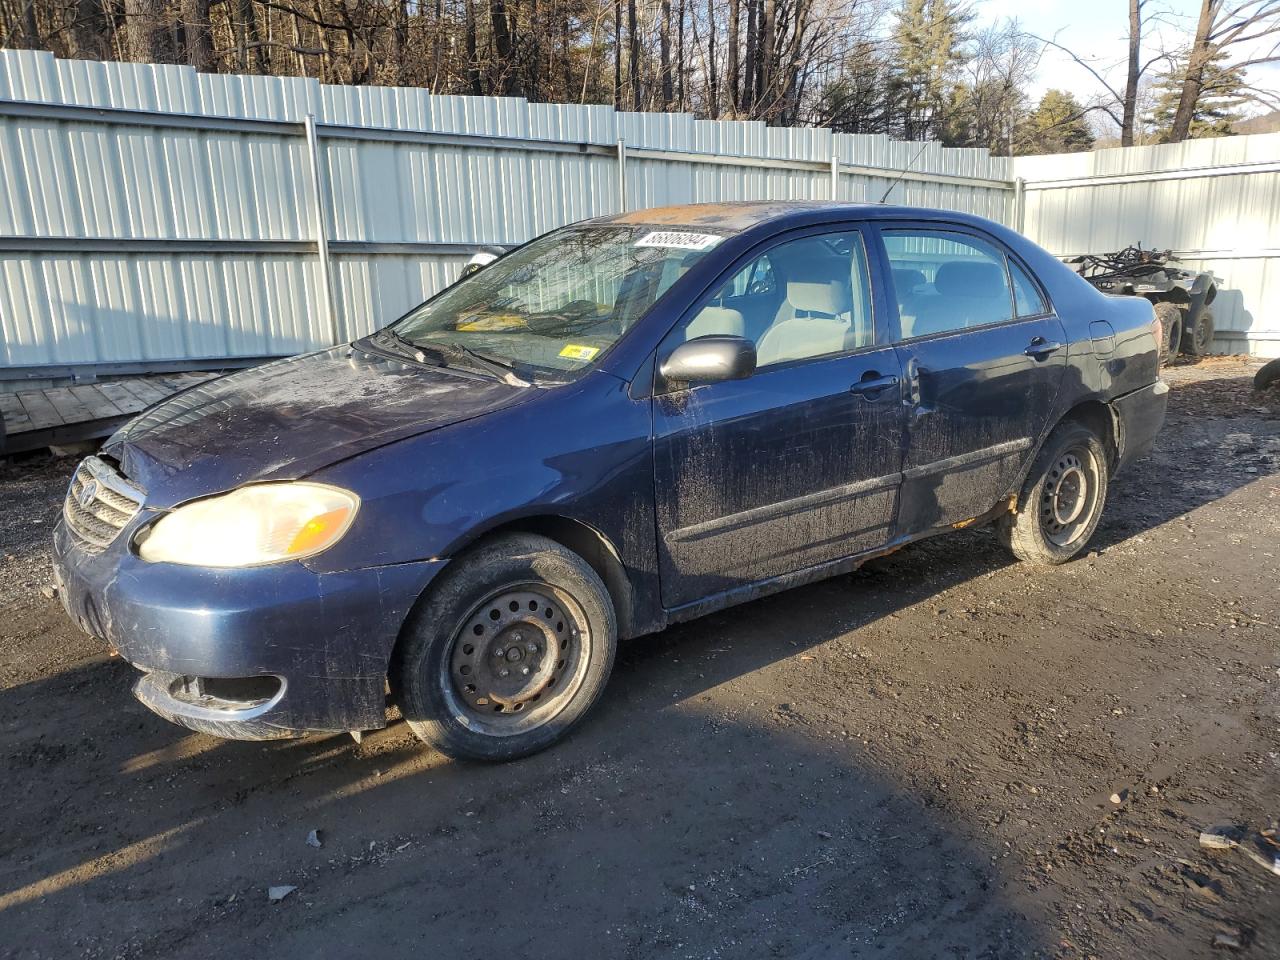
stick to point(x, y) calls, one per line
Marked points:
point(554, 306)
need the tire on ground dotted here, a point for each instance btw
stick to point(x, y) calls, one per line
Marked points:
point(1170, 317)
point(1026, 532)
point(1268, 376)
point(419, 673)
point(1198, 342)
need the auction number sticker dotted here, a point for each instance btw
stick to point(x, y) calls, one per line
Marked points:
point(576, 351)
point(679, 240)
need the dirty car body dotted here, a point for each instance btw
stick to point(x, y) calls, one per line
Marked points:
point(886, 374)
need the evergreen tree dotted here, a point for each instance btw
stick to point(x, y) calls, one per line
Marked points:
point(1056, 125)
point(1216, 110)
point(928, 50)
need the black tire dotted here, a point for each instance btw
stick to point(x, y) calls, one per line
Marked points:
point(1170, 318)
point(1072, 459)
point(1198, 342)
point(445, 676)
point(1268, 376)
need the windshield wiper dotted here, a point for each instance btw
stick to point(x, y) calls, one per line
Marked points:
point(405, 343)
point(504, 371)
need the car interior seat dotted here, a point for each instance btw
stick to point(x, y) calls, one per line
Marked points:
point(968, 295)
point(909, 287)
point(715, 320)
point(815, 318)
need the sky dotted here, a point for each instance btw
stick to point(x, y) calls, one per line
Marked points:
point(1098, 30)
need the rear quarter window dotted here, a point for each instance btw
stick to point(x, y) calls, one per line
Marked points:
point(1027, 298)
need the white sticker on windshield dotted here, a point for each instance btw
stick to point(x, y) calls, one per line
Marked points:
point(679, 240)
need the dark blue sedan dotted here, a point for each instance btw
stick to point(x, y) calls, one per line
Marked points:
point(625, 423)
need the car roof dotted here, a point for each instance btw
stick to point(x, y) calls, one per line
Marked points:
point(739, 215)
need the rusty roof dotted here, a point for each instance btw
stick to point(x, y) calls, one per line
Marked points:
point(730, 215)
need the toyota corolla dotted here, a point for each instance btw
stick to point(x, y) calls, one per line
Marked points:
point(623, 424)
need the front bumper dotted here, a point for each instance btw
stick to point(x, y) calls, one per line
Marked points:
point(1141, 415)
point(321, 641)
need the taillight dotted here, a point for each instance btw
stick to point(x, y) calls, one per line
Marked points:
point(1157, 328)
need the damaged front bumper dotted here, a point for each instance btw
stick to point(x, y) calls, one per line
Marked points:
point(249, 654)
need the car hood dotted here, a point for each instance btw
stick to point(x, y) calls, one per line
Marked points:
point(287, 419)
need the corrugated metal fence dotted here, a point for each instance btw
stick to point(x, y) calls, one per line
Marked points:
point(1216, 202)
point(152, 214)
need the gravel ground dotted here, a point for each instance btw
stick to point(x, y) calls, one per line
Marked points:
point(946, 754)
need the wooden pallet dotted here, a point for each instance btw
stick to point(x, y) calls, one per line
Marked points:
point(40, 418)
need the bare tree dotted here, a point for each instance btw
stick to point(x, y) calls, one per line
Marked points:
point(1220, 26)
point(1119, 104)
point(664, 53)
point(197, 34)
point(1133, 75)
point(633, 60)
point(145, 30)
point(989, 104)
point(837, 62)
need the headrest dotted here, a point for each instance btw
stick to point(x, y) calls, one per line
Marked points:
point(957, 278)
point(905, 281)
point(715, 320)
point(827, 297)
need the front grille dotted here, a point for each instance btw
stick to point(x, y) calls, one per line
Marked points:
point(100, 503)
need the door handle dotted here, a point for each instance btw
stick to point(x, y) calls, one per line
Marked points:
point(872, 383)
point(1042, 349)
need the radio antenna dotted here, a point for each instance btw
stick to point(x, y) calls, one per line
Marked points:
point(898, 179)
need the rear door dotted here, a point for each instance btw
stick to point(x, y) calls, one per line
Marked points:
point(800, 464)
point(983, 357)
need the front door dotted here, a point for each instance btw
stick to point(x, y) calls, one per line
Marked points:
point(799, 464)
point(983, 356)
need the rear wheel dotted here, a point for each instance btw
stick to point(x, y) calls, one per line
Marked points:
point(508, 652)
point(1198, 341)
point(1061, 502)
point(1170, 318)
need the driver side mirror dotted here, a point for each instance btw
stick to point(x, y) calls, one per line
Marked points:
point(710, 359)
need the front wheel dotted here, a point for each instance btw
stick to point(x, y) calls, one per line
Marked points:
point(508, 652)
point(1061, 502)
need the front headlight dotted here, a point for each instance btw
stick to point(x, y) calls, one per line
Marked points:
point(264, 523)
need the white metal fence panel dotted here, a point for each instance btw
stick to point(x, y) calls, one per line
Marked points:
point(1216, 202)
point(150, 213)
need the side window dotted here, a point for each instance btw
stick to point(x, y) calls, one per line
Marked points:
point(809, 297)
point(1026, 295)
point(946, 281)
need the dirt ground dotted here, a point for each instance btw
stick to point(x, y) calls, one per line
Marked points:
point(921, 759)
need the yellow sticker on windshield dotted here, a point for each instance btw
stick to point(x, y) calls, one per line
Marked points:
point(494, 321)
point(575, 351)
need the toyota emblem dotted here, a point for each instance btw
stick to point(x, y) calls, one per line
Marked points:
point(88, 493)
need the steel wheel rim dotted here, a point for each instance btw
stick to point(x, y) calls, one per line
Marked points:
point(516, 660)
point(1069, 497)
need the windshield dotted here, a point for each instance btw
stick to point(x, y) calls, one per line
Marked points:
point(554, 306)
